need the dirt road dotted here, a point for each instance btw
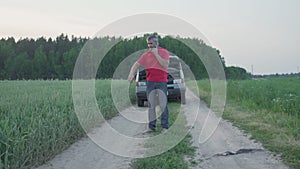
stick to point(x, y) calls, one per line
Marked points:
point(227, 148)
point(86, 154)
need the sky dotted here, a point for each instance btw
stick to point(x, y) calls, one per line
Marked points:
point(261, 36)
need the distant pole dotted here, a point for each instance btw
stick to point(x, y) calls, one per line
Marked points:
point(297, 69)
point(252, 69)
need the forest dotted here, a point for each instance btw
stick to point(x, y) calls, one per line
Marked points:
point(43, 58)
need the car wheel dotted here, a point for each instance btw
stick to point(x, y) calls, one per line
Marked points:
point(140, 102)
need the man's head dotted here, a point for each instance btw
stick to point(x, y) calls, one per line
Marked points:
point(152, 41)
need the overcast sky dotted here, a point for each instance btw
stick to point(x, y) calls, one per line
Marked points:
point(263, 34)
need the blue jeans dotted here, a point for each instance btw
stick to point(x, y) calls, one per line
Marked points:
point(157, 91)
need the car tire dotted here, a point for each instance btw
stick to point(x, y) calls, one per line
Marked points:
point(140, 103)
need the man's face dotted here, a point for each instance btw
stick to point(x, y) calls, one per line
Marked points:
point(151, 43)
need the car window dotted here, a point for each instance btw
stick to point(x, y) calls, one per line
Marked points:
point(142, 75)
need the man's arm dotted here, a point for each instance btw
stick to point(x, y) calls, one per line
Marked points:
point(164, 63)
point(133, 69)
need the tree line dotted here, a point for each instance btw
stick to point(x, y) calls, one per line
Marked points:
point(55, 58)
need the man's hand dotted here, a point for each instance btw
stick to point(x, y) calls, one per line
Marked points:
point(130, 78)
point(164, 63)
point(133, 69)
point(154, 51)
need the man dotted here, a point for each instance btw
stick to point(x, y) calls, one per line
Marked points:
point(155, 61)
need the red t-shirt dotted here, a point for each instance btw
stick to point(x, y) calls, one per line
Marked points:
point(155, 71)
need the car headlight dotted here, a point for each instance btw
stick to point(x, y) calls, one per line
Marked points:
point(140, 83)
point(178, 81)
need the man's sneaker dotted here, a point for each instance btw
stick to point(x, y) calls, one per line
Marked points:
point(149, 130)
point(164, 130)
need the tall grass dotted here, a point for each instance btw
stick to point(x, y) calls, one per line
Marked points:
point(281, 95)
point(175, 157)
point(267, 108)
point(37, 120)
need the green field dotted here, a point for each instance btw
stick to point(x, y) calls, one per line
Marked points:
point(269, 109)
point(38, 120)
